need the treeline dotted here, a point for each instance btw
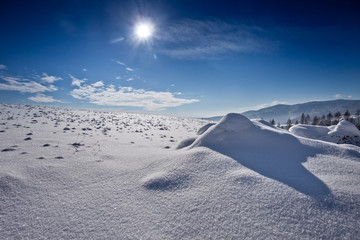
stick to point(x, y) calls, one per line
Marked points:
point(328, 120)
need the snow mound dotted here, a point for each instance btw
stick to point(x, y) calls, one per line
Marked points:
point(245, 177)
point(165, 181)
point(343, 133)
point(345, 128)
point(268, 151)
point(234, 122)
point(235, 130)
point(204, 128)
point(309, 131)
point(185, 143)
point(10, 184)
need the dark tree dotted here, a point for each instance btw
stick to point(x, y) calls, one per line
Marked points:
point(357, 114)
point(302, 119)
point(347, 115)
point(329, 117)
point(297, 122)
point(307, 119)
point(337, 115)
point(272, 122)
point(315, 120)
point(288, 123)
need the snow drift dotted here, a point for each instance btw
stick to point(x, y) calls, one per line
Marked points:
point(269, 151)
point(343, 132)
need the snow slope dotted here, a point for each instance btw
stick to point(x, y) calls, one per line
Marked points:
point(343, 133)
point(120, 176)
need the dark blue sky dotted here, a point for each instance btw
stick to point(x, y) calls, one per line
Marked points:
point(204, 57)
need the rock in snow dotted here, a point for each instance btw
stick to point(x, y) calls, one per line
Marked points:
point(239, 179)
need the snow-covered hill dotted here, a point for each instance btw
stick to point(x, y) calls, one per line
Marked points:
point(69, 174)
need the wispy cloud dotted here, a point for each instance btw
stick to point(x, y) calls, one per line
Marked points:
point(84, 69)
point(118, 62)
point(194, 39)
point(98, 84)
point(24, 85)
point(43, 98)
point(50, 79)
point(3, 67)
point(128, 96)
point(128, 73)
point(120, 39)
point(341, 96)
point(76, 81)
point(127, 68)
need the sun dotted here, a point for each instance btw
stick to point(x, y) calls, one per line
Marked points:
point(144, 30)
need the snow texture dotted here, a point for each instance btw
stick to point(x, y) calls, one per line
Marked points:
point(111, 175)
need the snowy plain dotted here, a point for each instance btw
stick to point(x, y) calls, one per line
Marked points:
point(72, 174)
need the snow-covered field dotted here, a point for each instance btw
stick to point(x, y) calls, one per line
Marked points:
point(71, 174)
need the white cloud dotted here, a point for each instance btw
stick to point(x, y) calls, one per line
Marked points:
point(128, 96)
point(24, 85)
point(118, 77)
point(194, 39)
point(76, 81)
point(43, 98)
point(120, 39)
point(3, 67)
point(84, 69)
point(50, 79)
point(98, 84)
point(130, 79)
point(342, 96)
point(118, 62)
point(123, 64)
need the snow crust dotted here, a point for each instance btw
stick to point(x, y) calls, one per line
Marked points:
point(104, 175)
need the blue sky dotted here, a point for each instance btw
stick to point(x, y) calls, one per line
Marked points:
point(204, 58)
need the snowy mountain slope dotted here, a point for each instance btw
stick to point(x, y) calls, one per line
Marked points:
point(282, 112)
point(239, 179)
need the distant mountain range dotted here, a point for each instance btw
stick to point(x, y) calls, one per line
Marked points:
point(282, 112)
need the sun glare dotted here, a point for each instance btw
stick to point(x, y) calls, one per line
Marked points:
point(144, 31)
